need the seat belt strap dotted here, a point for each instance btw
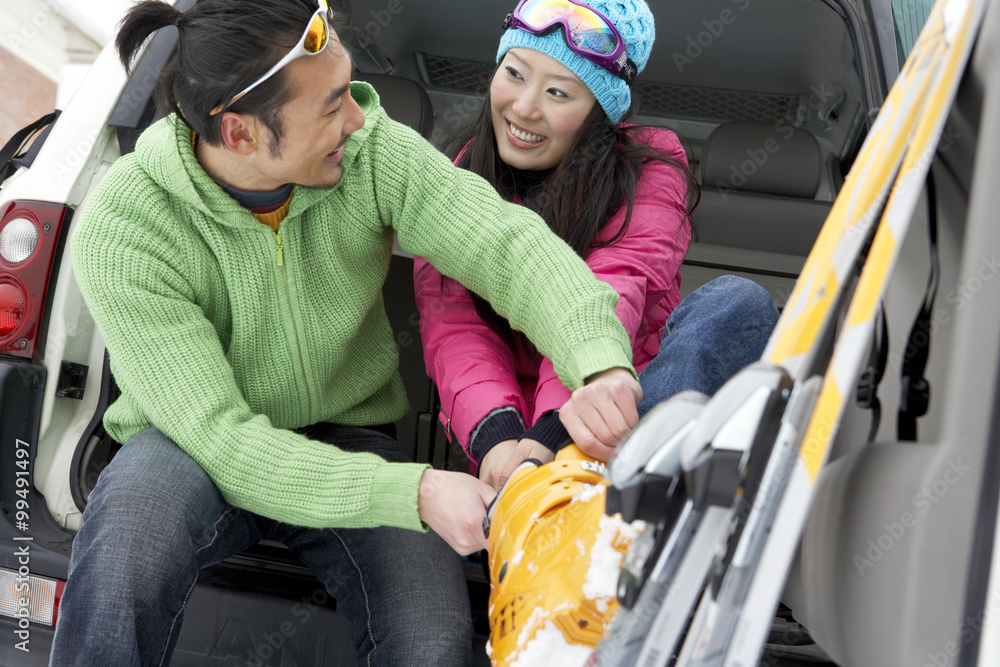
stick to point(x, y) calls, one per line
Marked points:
point(915, 391)
point(867, 391)
point(18, 144)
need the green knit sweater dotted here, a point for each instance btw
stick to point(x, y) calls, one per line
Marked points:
point(226, 335)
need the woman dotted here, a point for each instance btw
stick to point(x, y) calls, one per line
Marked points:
point(551, 135)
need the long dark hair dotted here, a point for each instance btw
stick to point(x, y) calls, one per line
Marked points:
point(222, 47)
point(584, 191)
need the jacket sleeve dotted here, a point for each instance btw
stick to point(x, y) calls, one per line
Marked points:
point(501, 251)
point(471, 365)
point(644, 263)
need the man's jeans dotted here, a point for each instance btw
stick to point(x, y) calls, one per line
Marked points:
point(155, 518)
point(714, 332)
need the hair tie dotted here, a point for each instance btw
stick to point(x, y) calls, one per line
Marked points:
point(177, 21)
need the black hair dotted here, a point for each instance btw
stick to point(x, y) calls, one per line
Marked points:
point(223, 46)
point(582, 193)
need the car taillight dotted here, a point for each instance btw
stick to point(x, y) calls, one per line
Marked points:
point(27, 597)
point(29, 242)
point(11, 307)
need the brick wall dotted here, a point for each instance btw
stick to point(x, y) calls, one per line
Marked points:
point(25, 94)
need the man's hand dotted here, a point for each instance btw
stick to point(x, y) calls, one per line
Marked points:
point(453, 504)
point(526, 449)
point(601, 413)
point(495, 462)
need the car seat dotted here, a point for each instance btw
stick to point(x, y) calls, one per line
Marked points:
point(758, 215)
point(404, 100)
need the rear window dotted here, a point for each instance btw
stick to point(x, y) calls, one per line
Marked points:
point(908, 17)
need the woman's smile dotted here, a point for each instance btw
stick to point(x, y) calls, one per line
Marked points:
point(521, 138)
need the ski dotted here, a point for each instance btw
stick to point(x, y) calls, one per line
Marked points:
point(777, 475)
point(731, 626)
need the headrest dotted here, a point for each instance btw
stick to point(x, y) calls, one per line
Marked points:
point(404, 100)
point(770, 158)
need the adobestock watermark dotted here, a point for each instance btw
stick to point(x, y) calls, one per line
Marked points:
point(138, 92)
point(819, 439)
point(33, 26)
point(821, 99)
point(76, 154)
point(967, 290)
point(21, 517)
point(379, 21)
point(778, 650)
point(860, 228)
point(960, 296)
point(287, 635)
point(643, 613)
point(459, 115)
point(742, 172)
point(919, 167)
point(90, 144)
point(923, 502)
point(696, 45)
point(968, 630)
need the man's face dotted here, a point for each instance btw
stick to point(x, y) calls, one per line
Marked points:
point(316, 122)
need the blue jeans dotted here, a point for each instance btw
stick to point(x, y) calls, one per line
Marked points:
point(718, 329)
point(155, 518)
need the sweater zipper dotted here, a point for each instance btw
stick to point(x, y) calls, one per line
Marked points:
point(295, 329)
point(281, 256)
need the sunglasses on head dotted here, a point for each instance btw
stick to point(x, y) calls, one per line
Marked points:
point(587, 32)
point(313, 41)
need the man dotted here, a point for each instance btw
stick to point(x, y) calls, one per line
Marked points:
point(234, 263)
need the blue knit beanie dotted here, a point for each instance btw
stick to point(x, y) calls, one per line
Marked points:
point(634, 22)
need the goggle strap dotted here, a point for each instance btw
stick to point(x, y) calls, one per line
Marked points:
point(626, 68)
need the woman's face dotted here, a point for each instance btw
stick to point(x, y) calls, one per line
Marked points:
point(538, 106)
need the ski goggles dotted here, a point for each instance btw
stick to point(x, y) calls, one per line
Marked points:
point(588, 32)
point(312, 42)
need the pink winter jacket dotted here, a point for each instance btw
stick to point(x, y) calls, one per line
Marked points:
point(476, 371)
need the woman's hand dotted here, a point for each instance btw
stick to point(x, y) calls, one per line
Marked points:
point(526, 449)
point(495, 462)
point(453, 504)
point(500, 462)
point(601, 413)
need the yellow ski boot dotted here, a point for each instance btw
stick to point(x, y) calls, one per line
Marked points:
point(554, 558)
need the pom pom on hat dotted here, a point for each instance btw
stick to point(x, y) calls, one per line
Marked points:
point(634, 22)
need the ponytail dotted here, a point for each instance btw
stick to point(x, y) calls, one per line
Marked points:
point(141, 21)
